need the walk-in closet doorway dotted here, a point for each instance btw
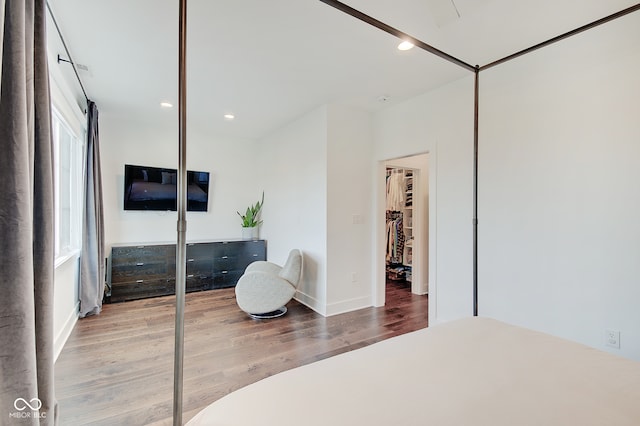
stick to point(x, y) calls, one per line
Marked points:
point(404, 215)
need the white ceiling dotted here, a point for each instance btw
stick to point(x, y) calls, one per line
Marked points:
point(269, 62)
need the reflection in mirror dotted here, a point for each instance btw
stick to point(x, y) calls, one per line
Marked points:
point(302, 82)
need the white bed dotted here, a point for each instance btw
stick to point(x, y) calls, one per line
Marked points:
point(475, 371)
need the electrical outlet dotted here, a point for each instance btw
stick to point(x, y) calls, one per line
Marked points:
point(354, 277)
point(612, 338)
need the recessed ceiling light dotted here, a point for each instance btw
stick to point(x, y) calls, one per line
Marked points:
point(229, 117)
point(166, 105)
point(405, 45)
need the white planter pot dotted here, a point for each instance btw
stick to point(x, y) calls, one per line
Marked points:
point(250, 233)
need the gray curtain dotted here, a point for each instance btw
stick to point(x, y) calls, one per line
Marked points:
point(26, 219)
point(92, 257)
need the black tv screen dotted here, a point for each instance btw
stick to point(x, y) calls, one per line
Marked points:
point(154, 188)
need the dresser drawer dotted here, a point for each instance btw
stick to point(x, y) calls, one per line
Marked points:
point(223, 279)
point(227, 248)
point(200, 250)
point(199, 266)
point(133, 254)
point(248, 259)
point(134, 271)
point(252, 251)
point(226, 263)
point(141, 289)
point(199, 283)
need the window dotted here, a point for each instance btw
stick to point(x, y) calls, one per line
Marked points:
point(68, 170)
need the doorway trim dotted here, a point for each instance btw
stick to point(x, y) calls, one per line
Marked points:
point(380, 231)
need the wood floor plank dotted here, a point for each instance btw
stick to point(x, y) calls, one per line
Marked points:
point(117, 367)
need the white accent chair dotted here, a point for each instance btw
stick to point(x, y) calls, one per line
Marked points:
point(265, 288)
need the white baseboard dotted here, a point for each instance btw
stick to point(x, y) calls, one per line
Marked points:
point(64, 334)
point(335, 308)
point(348, 305)
point(310, 302)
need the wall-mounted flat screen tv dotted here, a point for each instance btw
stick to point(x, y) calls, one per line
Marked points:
point(154, 188)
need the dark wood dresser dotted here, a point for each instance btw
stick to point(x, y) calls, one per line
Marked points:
point(141, 271)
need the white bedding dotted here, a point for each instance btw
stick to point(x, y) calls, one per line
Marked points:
point(475, 371)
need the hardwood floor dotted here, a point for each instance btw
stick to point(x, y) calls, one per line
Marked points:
point(117, 367)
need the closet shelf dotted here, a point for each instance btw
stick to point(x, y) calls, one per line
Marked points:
point(400, 192)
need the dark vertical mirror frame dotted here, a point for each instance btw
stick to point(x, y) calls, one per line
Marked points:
point(181, 246)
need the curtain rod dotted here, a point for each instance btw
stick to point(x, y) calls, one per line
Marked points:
point(73, 64)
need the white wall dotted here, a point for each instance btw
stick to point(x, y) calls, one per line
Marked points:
point(439, 122)
point(131, 140)
point(293, 174)
point(317, 178)
point(66, 301)
point(559, 235)
point(349, 223)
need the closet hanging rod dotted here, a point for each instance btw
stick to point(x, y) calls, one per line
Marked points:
point(66, 49)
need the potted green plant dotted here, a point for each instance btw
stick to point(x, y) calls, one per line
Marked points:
point(251, 220)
